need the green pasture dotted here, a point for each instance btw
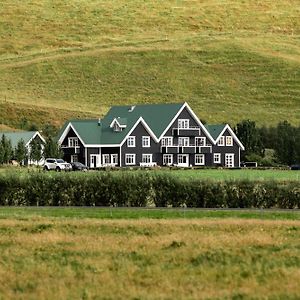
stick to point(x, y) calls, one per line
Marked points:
point(26, 213)
point(185, 174)
point(228, 60)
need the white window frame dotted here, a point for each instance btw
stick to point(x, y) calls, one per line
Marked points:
point(131, 141)
point(167, 159)
point(74, 158)
point(199, 138)
point(105, 159)
point(147, 158)
point(146, 141)
point(199, 159)
point(217, 158)
point(73, 142)
point(180, 158)
point(183, 123)
point(221, 141)
point(130, 156)
point(167, 141)
point(114, 159)
point(183, 141)
point(229, 140)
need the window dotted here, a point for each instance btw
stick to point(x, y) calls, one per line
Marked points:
point(145, 141)
point(131, 141)
point(183, 123)
point(147, 158)
point(117, 127)
point(114, 159)
point(130, 159)
point(217, 158)
point(74, 158)
point(167, 159)
point(199, 159)
point(183, 159)
point(229, 141)
point(200, 141)
point(105, 159)
point(183, 141)
point(73, 142)
point(221, 141)
point(167, 141)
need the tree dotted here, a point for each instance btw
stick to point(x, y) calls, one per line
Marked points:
point(52, 148)
point(20, 151)
point(35, 151)
point(6, 150)
point(249, 135)
point(286, 143)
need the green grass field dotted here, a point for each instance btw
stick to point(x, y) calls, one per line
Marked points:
point(185, 174)
point(229, 60)
point(72, 254)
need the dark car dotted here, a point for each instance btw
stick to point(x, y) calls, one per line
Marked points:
point(78, 166)
point(295, 167)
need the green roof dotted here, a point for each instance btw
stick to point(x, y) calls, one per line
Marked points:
point(15, 137)
point(88, 130)
point(157, 116)
point(215, 130)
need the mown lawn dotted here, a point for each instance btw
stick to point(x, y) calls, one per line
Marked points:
point(43, 257)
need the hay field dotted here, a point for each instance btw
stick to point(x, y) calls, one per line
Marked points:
point(67, 258)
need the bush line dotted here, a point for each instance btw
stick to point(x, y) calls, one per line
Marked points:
point(141, 190)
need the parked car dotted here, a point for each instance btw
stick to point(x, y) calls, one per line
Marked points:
point(57, 164)
point(295, 167)
point(78, 166)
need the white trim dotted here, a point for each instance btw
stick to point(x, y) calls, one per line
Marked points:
point(66, 131)
point(148, 144)
point(115, 120)
point(232, 134)
point(133, 139)
point(134, 159)
point(232, 157)
point(140, 120)
point(120, 160)
point(147, 154)
point(202, 127)
point(219, 158)
point(219, 143)
point(170, 155)
point(183, 164)
point(203, 160)
point(33, 137)
point(229, 137)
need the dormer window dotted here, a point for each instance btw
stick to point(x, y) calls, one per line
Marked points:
point(118, 124)
point(117, 127)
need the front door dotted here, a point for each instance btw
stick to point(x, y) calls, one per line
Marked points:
point(229, 160)
point(94, 161)
point(183, 160)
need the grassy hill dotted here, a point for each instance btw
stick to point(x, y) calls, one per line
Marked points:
point(229, 59)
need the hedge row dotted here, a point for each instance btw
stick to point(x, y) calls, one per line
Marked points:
point(108, 189)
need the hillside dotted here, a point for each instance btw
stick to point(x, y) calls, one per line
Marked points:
point(229, 59)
